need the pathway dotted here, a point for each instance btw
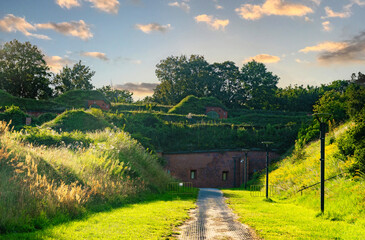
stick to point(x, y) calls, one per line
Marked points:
point(213, 220)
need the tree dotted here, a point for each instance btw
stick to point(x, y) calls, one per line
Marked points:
point(77, 77)
point(260, 85)
point(23, 70)
point(117, 95)
point(181, 77)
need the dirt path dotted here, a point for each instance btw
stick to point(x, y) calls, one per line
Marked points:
point(213, 220)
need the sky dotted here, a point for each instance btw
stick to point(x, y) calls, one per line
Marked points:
point(304, 42)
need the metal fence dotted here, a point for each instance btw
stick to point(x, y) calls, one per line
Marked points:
point(260, 190)
point(180, 188)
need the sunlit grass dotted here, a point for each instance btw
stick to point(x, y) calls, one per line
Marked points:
point(284, 220)
point(154, 218)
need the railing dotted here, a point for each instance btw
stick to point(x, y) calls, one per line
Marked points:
point(180, 188)
point(260, 190)
point(306, 187)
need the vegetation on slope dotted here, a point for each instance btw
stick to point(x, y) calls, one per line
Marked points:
point(195, 105)
point(76, 120)
point(28, 104)
point(41, 185)
point(78, 98)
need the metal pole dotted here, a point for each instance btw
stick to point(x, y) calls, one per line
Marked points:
point(267, 172)
point(323, 129)
point(246, 170)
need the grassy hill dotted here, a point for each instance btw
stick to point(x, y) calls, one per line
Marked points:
point(77, 120)
point(28, 104)
point(195, 105)
point(345, 193)
point(78, 98)
point(48, 182)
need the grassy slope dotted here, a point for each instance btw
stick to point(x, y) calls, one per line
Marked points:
point(78, 98)
point(293, 215)
point(153, 218)
point(77, 120)
point(30, 104)
point(195, 105)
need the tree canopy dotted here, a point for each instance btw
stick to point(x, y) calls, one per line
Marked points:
point(117, 95)
point(23, 70)
point(77, 77)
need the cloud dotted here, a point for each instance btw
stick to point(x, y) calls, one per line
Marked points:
point(263, 58)
point(11, 23)
point(153, 27)
point(352, 51)
point(325, 46)
point(68, 3)
point(301, 61)
point(109, 6)
point(272, 7)
point(307, 19)
point(326, 26)
point(77, 29)
point(100, 55)
point(56, 63)
point(331, 14)
point(215, 23)
point(138, 89)
point(218, 7)
point(183, 5)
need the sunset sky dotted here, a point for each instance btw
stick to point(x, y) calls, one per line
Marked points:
point(301, 41)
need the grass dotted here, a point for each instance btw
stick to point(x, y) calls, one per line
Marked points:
point(280, 219)
point(78, 98)
point(291, 215)
point(154, 218)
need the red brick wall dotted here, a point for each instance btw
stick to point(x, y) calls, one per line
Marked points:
point(100, 103)
point(210, 166)
point(221, 112)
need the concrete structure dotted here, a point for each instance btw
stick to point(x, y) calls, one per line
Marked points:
point(223, 114)
point(218, 169)
point(103, 105)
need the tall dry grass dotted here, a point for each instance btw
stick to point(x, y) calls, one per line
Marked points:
point(41, 185)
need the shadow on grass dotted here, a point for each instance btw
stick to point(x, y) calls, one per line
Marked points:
point(141, 199)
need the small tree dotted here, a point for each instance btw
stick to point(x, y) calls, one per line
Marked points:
point(23, 70)
point(77, 77)
point(117, 95)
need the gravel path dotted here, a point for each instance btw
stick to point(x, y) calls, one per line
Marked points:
point(213, 220)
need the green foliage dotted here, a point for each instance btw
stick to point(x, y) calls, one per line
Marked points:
point(45, 117)
point(15, 115)
point(71, 174)
point(23, 70)
point(78, 98)
point(77, 120)
point(120, 107)
point(260, 85)
point(77, 77)
point(28, 104)
point(192, 104)
point(116, 95)
point(332, 102)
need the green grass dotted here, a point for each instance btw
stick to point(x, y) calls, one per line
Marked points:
point(78, 98)
point(284, 220)
point(154, 218)
point(77, 120)
point(195, 105)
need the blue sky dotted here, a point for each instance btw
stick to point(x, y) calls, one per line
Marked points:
point(302, 41)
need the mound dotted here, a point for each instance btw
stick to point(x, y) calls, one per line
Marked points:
point(77, 120)
point(78, 98)
point(192, 104)
point(28, 104)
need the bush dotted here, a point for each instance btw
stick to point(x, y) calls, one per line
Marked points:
point(15, 115)
point(192, 104)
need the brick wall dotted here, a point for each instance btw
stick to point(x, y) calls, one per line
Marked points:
point(209, 167)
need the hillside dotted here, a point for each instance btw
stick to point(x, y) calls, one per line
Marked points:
point(78, 98)
point(77, 120)
point(48, 177)
point(345, 193)
point(195, 105)
point(28, 104)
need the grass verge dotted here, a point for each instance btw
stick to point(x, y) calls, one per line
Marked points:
point(280, 219)
point(156, 217)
